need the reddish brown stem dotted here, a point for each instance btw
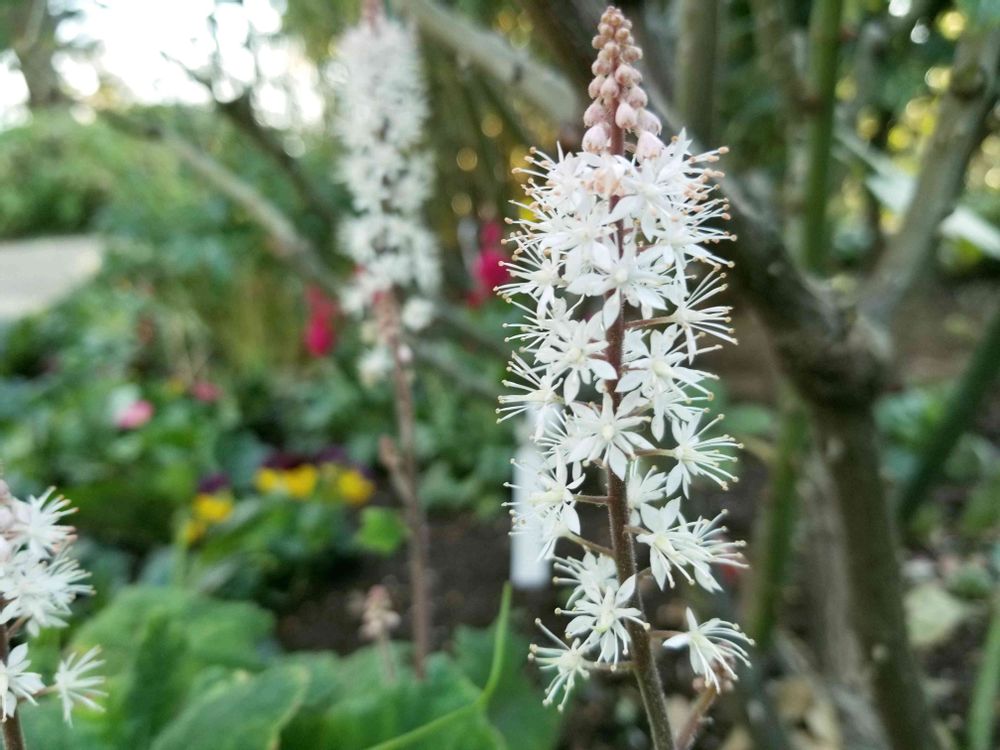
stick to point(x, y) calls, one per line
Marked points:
point(401, 463)
point(643, 664)
point(13, 737)
point(689, 732)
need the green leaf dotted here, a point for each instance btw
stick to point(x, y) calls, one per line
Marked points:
point(155, 685)
point(219, 632)
point(44, 727)
point(247, 713)
point(366, 718)
point(382, 531)
point(516, 708)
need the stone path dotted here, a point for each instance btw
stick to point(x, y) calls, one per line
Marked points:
point(38, 272)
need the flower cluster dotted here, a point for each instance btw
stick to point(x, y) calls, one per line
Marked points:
point(381, 113)
point(39, 579)
point(616, 272)
point(327, 476)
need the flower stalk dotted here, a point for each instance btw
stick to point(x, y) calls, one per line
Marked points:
point(380, 121)
point(614, 270)
point(13, 736)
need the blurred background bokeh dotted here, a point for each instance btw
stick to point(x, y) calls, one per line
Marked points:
point(174, 358)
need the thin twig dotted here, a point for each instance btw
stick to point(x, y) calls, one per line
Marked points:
point(402, 465)
point(689, 732)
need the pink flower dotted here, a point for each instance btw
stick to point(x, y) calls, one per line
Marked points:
point(206, 391)
point(488, 270)
point(134, 415)
point(319, 336)
point(490, 273)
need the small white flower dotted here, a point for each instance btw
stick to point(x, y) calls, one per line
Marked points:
point(374, 365)
point(641, 489)
point(574, 348)
point(568, 661)
point(75, 684)
point(600, 618)
point(697, 456)
point(417, 313)
point(41, 591)
point(666, 553)
point(36, 523)
point(608, 434)
point(595, 572)
point(537, 395)
point(714, 648)
point(16, 683)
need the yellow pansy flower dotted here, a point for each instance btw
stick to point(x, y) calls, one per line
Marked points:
point(213, 509)
point(300, 482)
point(354, 487)
point(268, 480)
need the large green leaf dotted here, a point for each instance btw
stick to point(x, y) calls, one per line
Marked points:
point(365, 718)
point(245, 713)
point(219, 632)
point(516, 708)
point(45, 729)
point(154, 687)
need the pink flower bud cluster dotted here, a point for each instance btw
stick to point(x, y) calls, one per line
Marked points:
point(618, 97)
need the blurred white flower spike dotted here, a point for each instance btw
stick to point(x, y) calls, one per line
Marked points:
point(617, 270)
point(39, 580)
point(381, 112)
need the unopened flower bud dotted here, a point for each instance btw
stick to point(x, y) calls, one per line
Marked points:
point(648, 146)
point(600, 67)
point(609, 89)
point(625, 117)
point(632, 54)
point(649, 122)
point(626, 75)
point(596, 113)
point(636, 97)
point(596, 139)
point(594, 90)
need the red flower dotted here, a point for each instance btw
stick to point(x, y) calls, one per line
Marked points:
point(320, 335)
point(490, 273)
point(488, 270)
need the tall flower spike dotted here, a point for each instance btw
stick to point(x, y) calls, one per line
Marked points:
point(615, 268)
point(381, 111)
point(380, 120)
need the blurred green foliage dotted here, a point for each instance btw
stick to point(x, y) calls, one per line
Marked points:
point(185, 671)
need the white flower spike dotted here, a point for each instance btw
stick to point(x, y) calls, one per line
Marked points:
point(617, 272)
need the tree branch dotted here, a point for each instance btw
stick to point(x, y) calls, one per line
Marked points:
point(240, 112)
point(543, 87)
point(975, 85)
point(776, 49)
point(286, 241)
point(696, 65)
point(824, 50)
